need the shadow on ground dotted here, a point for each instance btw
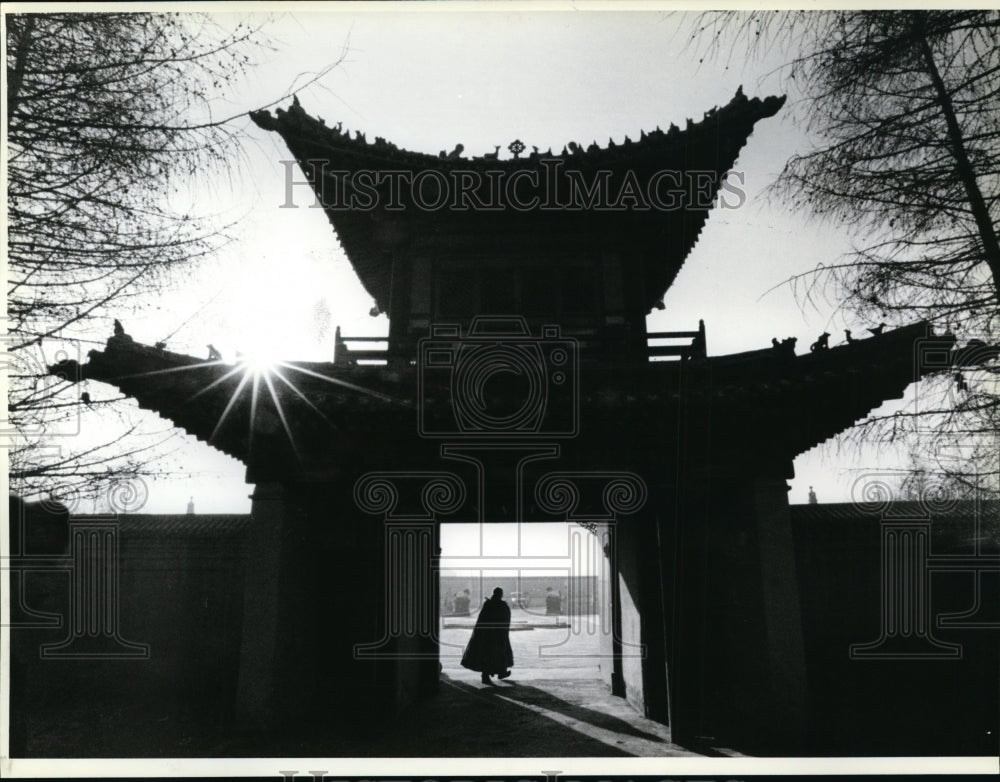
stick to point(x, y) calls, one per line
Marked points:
point(544, 719)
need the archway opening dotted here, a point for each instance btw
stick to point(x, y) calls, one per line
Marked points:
point(557, 581)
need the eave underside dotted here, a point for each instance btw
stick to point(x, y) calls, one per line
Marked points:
point(760, 400)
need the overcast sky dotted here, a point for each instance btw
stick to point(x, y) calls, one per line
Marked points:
point(427, 81)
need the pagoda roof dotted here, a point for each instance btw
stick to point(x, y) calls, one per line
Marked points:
point(337, 414)
point(663, 233)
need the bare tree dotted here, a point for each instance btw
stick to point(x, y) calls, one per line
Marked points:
point(108, 114)
point(904, 108)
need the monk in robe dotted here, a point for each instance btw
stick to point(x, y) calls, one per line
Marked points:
point(489, 649)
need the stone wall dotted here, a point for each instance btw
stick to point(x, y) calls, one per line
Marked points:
point(170, 644)
point(580, 594)
point(927, 688)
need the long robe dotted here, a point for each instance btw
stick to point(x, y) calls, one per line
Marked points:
point(488, 650)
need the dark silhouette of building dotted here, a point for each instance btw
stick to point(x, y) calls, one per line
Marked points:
point(181, 595)
point(678, 465)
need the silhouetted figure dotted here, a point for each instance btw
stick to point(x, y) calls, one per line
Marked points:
point(494, 154)
point(85, 398)
point(960, 382)
point(812, 496)
point(553, 601)
point(213, 354)
point(462, 602)
point(821, 343)
point(878, 329)
point(119, 328)
point(847, 334)
point(489, 649)
point(786, 347)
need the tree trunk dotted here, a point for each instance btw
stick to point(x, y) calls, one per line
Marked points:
point(15, 76)
point(980, 212)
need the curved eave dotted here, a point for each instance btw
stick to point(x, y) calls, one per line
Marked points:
point(214, 401)
point(766, 399)
point(805, 400)
point(712, 144)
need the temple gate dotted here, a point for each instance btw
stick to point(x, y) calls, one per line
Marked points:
point(520, 384)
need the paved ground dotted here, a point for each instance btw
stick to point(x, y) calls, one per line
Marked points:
point(552, 648)
point(554, 705)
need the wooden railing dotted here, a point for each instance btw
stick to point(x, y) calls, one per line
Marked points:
point(345, 356)
point(696, 348)
point(349, 354)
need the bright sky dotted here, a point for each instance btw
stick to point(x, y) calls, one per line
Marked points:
point(427, 81)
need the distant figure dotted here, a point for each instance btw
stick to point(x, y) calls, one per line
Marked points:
point(462, 602)
point(119, 328)
point(191, 506)
point(213, 354)
point(812, 496)
point(847, 334)
point(489, 649)
point(821, 343)
point(878, 329)
point(85, 398)
point(553, 601)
